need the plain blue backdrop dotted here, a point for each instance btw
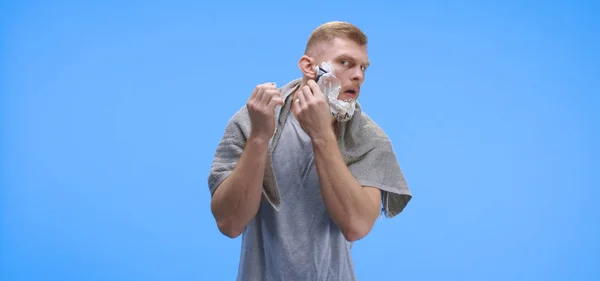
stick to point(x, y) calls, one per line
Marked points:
point(111, 111)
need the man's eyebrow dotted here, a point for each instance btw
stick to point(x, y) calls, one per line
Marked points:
point(348, 56)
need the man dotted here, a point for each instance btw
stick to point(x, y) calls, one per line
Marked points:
point(303, 175)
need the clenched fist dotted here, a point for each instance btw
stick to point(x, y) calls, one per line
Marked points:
point(261, 107)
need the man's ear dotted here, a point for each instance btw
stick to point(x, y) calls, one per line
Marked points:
point(306, 65)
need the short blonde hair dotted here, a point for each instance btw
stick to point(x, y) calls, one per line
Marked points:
point(335, 29)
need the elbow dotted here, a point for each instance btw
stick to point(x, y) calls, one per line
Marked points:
point(354, 235)
point(226, 223)
point(229, 229)
point(357, 231)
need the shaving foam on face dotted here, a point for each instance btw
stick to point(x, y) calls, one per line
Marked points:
point(331, 87)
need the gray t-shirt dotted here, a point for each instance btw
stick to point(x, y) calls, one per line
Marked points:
point(300, 241)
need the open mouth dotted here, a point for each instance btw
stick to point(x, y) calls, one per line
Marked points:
point(350, 93)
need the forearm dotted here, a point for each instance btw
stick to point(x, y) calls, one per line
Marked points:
point(350, 207)
point(237, 199)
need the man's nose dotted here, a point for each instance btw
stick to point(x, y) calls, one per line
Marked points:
point(357, 75)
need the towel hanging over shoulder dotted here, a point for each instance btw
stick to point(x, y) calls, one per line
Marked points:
point(367, 151)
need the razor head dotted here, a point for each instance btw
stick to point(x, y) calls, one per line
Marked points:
point(321, 72)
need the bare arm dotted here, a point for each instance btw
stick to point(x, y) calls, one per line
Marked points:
point(236, 200)
point(352, 207)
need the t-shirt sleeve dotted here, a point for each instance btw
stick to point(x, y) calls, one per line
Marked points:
point(229, 150)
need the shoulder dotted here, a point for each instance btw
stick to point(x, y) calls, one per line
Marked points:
point(367, 127)
point(238, 126)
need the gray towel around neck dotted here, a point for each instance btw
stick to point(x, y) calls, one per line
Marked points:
point(366, 148)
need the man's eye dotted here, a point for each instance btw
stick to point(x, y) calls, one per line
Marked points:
point(344, 62)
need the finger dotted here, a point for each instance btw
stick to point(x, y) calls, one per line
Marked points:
point(314, 88)
point(309, 95)
point(253, 95)
point(275, 101)
point(259, 95)
point(295, 106)
point(296, 101)
point(302, 98)
point(262, 87)
point(268, 95)
point(269, 85)
point(307, 91)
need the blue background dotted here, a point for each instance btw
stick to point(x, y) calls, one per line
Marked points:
point(111, 111)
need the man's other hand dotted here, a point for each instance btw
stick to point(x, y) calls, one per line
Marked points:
point(261, 107)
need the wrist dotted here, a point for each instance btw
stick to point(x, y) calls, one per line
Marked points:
point(258, 141)
point(323, 139)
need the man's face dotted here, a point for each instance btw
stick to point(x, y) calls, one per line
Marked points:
point(350, 61)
